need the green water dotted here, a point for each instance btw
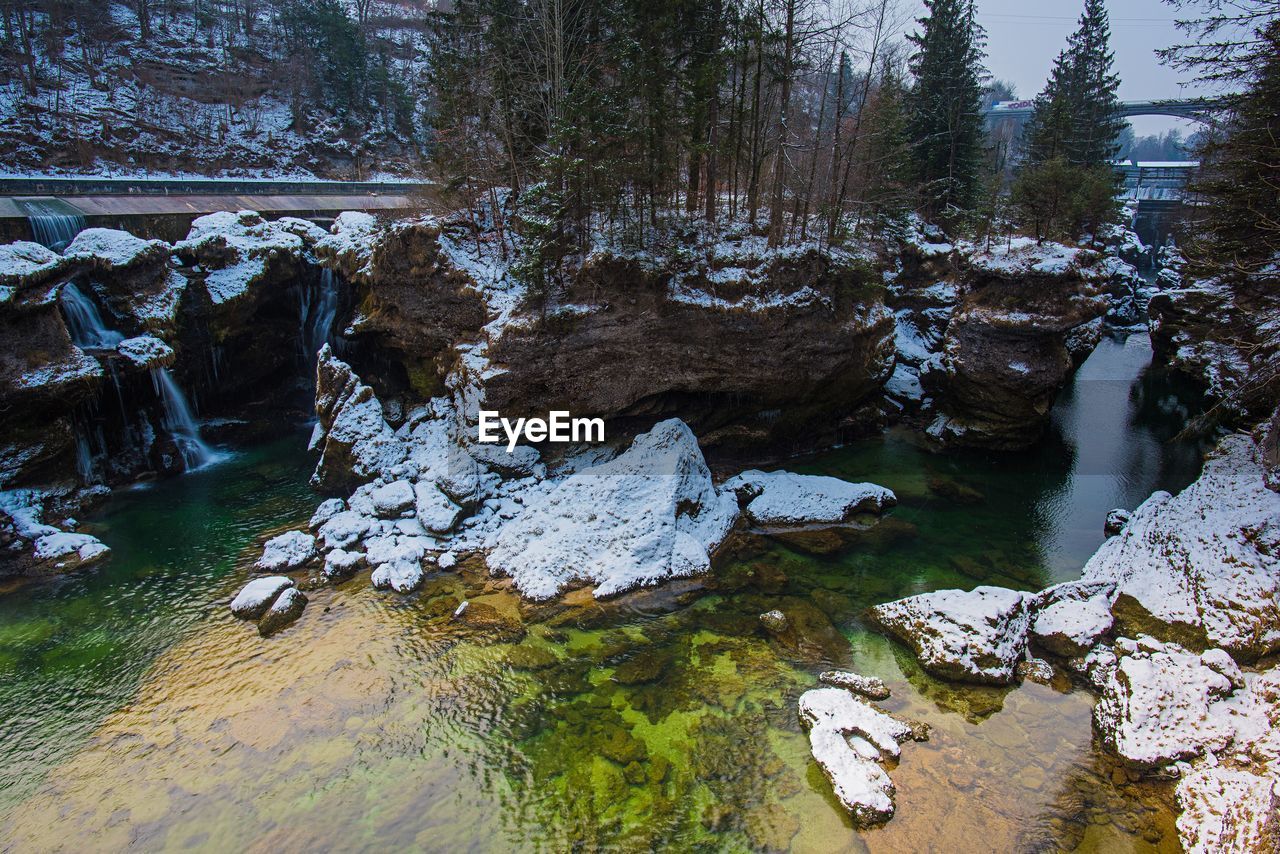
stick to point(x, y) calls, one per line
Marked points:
point(148, 718)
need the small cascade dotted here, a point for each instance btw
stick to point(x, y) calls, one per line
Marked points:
point(53, 223)
point(317, 311)
point(179, 421)
point(85, 322)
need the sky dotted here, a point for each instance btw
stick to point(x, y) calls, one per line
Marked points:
point(1024, 37)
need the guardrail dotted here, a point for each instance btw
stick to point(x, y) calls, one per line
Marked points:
point(40, 186)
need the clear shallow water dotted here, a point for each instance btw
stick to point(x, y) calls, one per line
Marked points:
point(665, 718)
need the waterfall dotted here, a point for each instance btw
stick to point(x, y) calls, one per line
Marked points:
point(85, 322)
point(53, 223)
point(317, 310)
point(179, 421)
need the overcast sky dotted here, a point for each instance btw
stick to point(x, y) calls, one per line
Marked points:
point(1024, 37)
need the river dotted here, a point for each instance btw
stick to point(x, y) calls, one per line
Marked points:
point(139, 713)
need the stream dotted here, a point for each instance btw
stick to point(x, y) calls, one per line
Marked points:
point(138, 712)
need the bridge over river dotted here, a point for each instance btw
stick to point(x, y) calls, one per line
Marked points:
point(48, 209)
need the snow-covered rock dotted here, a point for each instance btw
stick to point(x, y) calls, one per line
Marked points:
point(108, 249)
point(783, 498)
point(392, 499)
point(339, 564)
point(402, 576)
point(344, 529)
point(435, 510)
point(328, 508)
point(284, 610)
point(1116, 520)
point(256, 597)
point(649, 515)
point(848, 738)
point(1161, 703)
point(22, 263)
point(1069, 619)
point(146, 351)
point(974, 636)
point(1202, 568)
point(354, 439)
point(289, 550)
point(67, 551)
point(240, 251)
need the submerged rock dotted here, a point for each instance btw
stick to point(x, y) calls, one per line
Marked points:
point(289, 550)
point(1202, 568)
point(868, 686)
point(975, 636)
point(848, 738)
point(775, 621)
point(783, 498)
point(256, 597)
point(286, 609)
point(649, 515)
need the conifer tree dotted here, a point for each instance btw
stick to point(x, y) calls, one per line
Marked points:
point(945, 121)
point(1077, 116)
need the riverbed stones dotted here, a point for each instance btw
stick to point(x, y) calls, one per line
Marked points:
point(849, 738)
point(970, 636)
point(64, 551)
point(340, 564)
point(256, 597)
point(289, 550)
point(328, 508)
point(775, 622)
point(286, 609)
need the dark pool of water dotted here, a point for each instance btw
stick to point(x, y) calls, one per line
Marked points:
point(146, 716)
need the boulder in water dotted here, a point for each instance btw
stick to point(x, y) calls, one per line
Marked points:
point(1161, 703)
point(848, 738)
point(289, 550)
point(286, 609)
point(66, 551)
point(392, 499)
point(783, 498)
point(974, 636)
point(256, 597)
point(647, 516)
point(1202, 568)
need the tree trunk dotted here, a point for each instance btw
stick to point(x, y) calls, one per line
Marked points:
point(780, 158)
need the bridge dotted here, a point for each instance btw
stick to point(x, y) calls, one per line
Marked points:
point(165, 207)
point(1197, 109)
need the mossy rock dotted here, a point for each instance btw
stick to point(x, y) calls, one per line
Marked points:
point(646, 666)
point(532, 658)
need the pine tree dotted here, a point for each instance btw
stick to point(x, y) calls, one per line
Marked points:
point(945, 120)
point(1239, 233)
point(1096, 120)
point(888, 166)
point(1077, 116)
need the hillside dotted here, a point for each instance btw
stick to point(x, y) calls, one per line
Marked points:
point(295, 87)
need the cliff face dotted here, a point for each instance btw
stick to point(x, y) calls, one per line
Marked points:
point(766, 349)
point(1025, 317)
